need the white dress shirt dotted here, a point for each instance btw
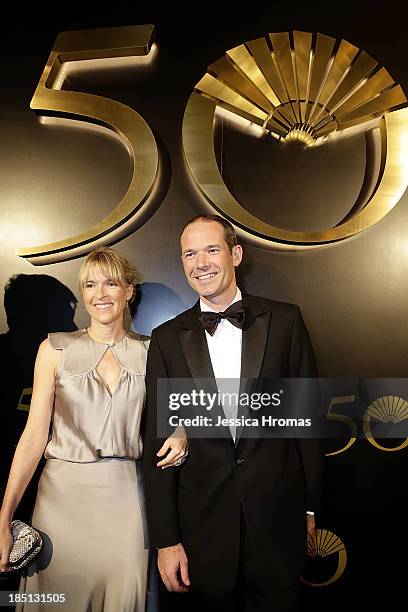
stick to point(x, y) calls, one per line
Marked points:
point(225, 348)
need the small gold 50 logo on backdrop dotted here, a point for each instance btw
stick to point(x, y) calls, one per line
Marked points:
point(385, 409)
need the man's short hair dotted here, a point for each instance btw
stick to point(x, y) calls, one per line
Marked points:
point(230, 235)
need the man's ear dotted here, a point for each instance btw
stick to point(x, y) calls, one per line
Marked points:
point(237, 254)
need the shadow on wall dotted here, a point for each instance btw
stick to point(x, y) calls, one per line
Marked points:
point(35, 305)
point(154, 304)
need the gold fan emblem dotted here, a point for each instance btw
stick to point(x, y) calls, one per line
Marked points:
point(388, 409)
point(299, 86)
point(323, 544)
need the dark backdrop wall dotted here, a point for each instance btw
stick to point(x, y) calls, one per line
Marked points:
point(57, 180)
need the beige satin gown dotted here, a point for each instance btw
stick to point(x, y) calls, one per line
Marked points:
point(89, 504)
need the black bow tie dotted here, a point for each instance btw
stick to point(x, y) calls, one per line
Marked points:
point(235, 314)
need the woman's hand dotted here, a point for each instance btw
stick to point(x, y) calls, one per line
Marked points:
point(6, 544)
point(177, 444)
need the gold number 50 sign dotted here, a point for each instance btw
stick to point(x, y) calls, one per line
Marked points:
point(297, 86)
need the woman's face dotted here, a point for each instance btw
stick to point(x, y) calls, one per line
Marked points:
point(104, 298)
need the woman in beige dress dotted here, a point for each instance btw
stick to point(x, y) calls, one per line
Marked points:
point(90, 385)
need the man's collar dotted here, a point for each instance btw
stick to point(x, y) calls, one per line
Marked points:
point(190, 318)
point(205, 308)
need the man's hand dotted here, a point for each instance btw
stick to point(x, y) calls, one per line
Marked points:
point(173, 568)
point(311, 525)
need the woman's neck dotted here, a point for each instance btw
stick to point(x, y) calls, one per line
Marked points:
point(108, 334)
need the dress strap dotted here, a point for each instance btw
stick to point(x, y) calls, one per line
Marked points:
point(62, 340)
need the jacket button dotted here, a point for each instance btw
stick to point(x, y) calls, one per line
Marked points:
point(240, 461)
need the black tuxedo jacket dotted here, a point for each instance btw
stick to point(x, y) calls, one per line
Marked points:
point(271, 481)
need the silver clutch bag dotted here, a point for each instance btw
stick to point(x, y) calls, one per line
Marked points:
point(27, 543)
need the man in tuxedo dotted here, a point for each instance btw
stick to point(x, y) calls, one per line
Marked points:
point(231, 523)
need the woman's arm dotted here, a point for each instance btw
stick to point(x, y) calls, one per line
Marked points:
point(32, 441)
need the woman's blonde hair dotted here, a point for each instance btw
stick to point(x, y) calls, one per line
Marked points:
point(113, 265)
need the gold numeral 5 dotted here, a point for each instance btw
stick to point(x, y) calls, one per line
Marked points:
point(342, 418)
point(127, 123)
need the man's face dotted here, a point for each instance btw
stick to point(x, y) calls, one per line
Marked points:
point(208, 264)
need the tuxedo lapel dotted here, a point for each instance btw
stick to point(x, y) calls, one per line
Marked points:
point(253, 346)
point(194, 345)
point(254, 337)
point(196, 353)
point(195, 348)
